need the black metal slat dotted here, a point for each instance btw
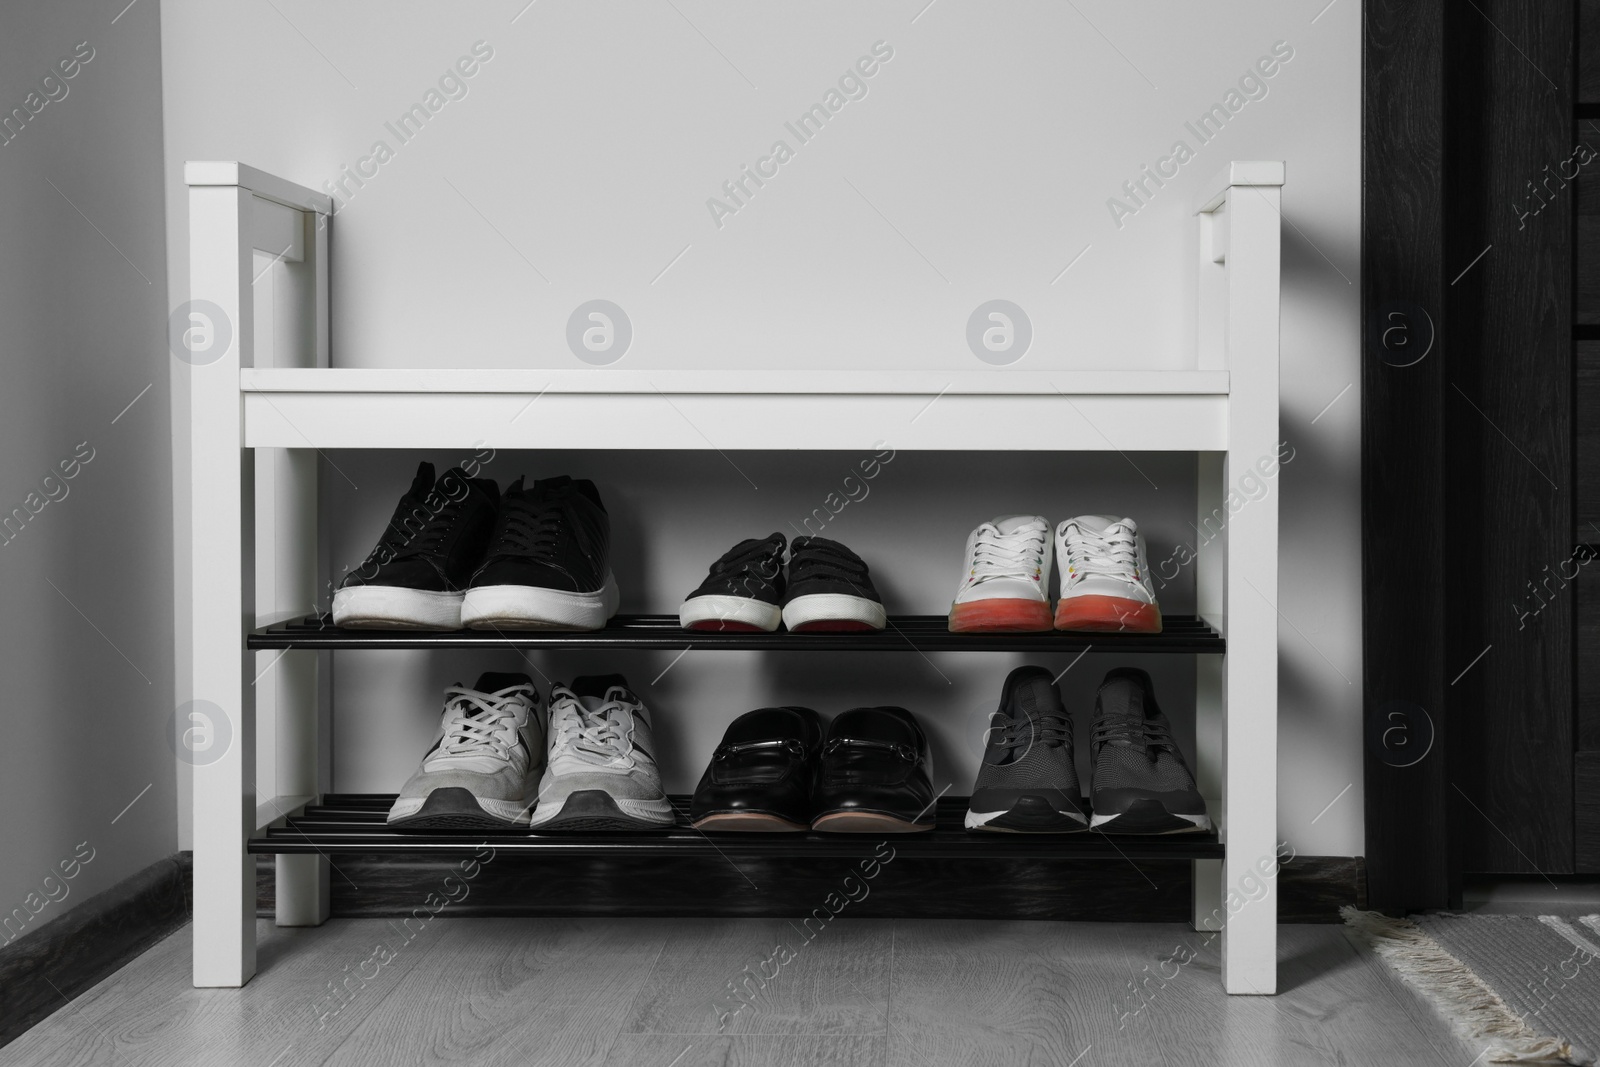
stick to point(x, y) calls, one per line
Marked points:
point(354, 824)
point(924, 633)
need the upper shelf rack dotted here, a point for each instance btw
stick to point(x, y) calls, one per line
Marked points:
point(905, 633)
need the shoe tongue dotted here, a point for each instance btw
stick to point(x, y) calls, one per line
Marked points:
point(493, 681)
point(596, 685)
point(552, 485)
point(423, 481)
point(1098, 524)
point(1010, 524)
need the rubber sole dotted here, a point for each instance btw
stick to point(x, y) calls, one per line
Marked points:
point(1029, 815)
point(596, 810)
point(1000, 615)
point(833, 613)
point(531, 607)
point(866, 822)
point(452, 808)
point(390, 607)
point(722, 612)
point(1100, 614)
point(759, 822)
point(1150, 817)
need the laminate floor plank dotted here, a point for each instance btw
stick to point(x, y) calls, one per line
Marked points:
point(512, 991)
point(150, 1015)
point(652, 992)
point(767, 976)
point(745, 1050)
point(1133, 994)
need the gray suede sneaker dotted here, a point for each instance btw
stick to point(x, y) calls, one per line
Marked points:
point(601, 773)
point(483, 769)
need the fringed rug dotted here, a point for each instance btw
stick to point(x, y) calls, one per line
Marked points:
point(1526, 988)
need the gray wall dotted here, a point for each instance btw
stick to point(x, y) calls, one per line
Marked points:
point(86, 655)
point(577, 162)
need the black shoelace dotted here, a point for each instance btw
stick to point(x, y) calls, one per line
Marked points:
point(428, 540)
point(1042, 729)
point(1153, 736)
point(531, 527)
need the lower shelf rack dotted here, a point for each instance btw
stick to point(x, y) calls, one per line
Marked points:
point(905, 633)
point(354, 823)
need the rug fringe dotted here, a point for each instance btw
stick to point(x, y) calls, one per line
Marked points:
point(1473, 1008)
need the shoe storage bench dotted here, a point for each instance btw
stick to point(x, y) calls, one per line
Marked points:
point(265, 402)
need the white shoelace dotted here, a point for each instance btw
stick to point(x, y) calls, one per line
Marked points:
point(1114, 554)
point(1019, 554)
point(482, 723)
point(604, 732)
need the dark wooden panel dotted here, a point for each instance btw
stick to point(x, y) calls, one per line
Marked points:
point(1586, 287)
point(1586, 787)
point(1311, 888)
point(1586, 444)
point(90, 942)
point(1402, 443)
point(1509, 436)
point(1586, 595)
point(1589, 51)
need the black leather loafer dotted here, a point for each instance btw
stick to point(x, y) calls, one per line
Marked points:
point(876, 774)
point(763, 774)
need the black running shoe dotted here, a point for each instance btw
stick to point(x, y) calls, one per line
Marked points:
point(829, 589)
point(1141, 784)
point(744, 590)
point(1028, 781)
point(418, 573)
point(762, 775)
point(876, 774)
point(548, 566)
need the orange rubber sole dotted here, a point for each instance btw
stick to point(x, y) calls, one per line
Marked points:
point(1101, 614)
point(1009, 615)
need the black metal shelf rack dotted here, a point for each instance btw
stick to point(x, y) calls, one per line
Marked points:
point(905, 633)
point(354, 823)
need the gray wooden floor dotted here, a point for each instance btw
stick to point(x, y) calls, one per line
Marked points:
point(641, 992)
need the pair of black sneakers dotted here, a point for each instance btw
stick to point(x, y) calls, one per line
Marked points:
point(459, 552)
point(827, 588)
point(1028, 781)
point(777, 769)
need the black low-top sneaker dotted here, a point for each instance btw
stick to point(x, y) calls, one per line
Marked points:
point(763, 773)
point(548, 565)
point(876, 774)
point(744, 590)
point(829, 589)
point(1141, 783)
point(1028, 781)
point(417, 574)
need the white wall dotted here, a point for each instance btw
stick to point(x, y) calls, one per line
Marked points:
point(978, 165)
point(85, 660)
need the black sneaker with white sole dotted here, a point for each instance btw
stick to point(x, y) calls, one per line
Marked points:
point(743, 591)
point(1141, 783)
point(548, 564)
point(418, 573)
point(1028, 781)
point(829, 589)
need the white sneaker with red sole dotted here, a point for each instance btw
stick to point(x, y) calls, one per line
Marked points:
point(1105, 577)
point(1007, 584)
